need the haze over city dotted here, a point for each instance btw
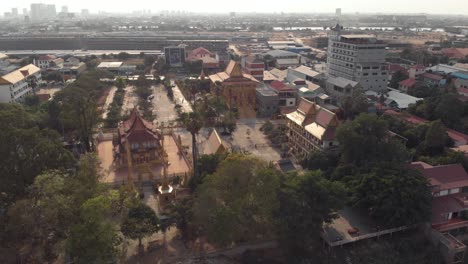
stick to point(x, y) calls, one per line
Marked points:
point(234, 132)
point(301, 6)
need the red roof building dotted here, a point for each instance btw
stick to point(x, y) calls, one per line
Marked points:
point(407, 84)
point(208, 58)
point(447, 183)
point(286, 94)
point(458, 137)
point(455, 53)
point(139, 138)
point(254, 66)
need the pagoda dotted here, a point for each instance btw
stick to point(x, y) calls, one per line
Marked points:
point(138, 140)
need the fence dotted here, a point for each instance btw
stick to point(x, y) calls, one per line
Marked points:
point(366, 236)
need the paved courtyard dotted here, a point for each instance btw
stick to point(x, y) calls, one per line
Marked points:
point(115, 174)
point(248, 137)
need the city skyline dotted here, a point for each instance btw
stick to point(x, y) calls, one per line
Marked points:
point(452, 7)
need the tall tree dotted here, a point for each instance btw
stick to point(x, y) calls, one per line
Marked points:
point(435, 139)
point(305, 203)
point(140, 222)
point(393, 194)
point(366, 139)
point(26, 151)
point(79, 112)
point(193, 123)
point(449, 109)
point(236, 203)
point(95, 238)
point(355, 104)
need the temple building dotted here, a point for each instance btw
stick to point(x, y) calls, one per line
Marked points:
point(237, 88)
point(139, 139)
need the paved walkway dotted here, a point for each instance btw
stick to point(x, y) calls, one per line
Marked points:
point(130, 100)
point(180, 99)
point(109, 100)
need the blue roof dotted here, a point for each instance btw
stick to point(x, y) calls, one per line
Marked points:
point(460, 75)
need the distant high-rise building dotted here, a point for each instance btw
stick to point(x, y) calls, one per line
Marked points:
point(42, 11)
point(51, 11)
point(358, 58)
point(232, 14)
point(36, 11)
point(84, 12)
point(14, 12)
point(25, 11)
point(64, 9)
point(338, 12)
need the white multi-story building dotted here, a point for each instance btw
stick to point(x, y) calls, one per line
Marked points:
point(15, 85)
point(359, 58)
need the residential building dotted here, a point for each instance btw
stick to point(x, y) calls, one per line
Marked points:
point(304, 73)
point(463, 75)
point(448, 184)
point(137, 140)
point(287, 95)
point(15, 85)
point(254, 66)
point(455, 53)
point(416, 71)
point(359, 58)
point(433, 80)
point(72, 68)
point(460, 83)
point(319, 42)
point(275, 75)
point(284, 59)
point(209, 61)
point(444, 69)
point(407, 85)
point(338, 87)
point(267, 101)
point(237, 88)
point(311, 127)
point(394, 99)
point(48, 61)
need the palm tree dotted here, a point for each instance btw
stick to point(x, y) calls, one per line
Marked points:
point(193, 123)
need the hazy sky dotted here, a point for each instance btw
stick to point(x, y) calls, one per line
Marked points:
point(362, 6)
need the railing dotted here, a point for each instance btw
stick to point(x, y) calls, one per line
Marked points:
point(366, 236)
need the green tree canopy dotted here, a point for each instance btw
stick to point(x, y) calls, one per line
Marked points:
point(366, 139)
point(305, 203)
point(393, 194)
point(26, 151)
point(435, 139)
point(236, 203)
point(140, 222)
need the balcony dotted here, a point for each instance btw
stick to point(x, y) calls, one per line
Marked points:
point(451, 224)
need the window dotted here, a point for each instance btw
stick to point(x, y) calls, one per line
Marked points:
point(365, 74)
point(443, 193)
point(375, 73)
